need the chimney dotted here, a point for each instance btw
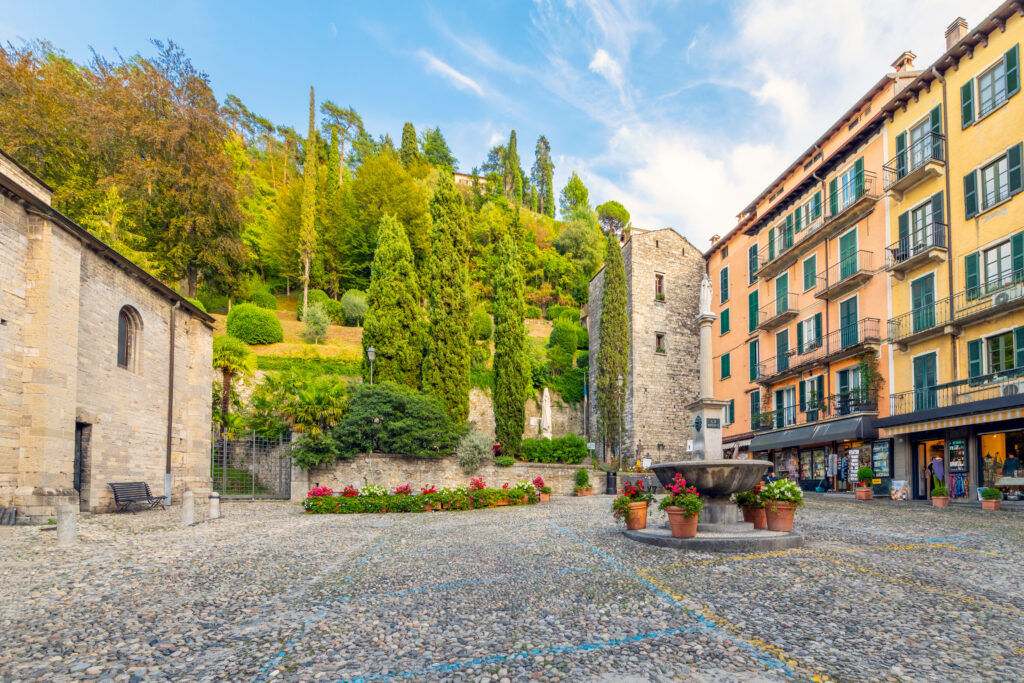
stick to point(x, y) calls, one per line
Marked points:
point(956, 31)
point(905, 62)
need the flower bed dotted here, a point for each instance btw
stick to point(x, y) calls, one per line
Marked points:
point(475, 495)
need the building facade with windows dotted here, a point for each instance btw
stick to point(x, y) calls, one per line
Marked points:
point(956, 264)
point(663, 274)
point(803, 355)
point(105, 372)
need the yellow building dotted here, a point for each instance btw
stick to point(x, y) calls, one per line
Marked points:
point(955, 262)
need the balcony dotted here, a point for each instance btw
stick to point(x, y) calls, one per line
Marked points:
point(842, 343)
point(846, 404)
point(851, 202)
point(962, 394)
point(920, 247)
point(775, 256)
point(778, 312)
point(924, 159)
point(920, 323)
point(996, 296)
point(847, 275)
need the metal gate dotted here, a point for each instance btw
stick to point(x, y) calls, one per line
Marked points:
point(251, 466)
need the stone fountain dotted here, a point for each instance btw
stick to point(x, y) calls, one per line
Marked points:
point(719, 527)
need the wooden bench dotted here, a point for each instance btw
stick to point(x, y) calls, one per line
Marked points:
point(127, 495)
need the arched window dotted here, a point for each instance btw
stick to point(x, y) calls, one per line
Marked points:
point(129, 328)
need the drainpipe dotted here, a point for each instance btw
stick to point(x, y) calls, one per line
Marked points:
point(825, 325)
point(170, 407)
point(954, 361)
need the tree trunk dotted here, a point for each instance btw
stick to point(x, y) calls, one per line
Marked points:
point(190, 282)
point(287, 286)
point(273, 174)
point(225, 399)
point(305, 286)
point(341, 159)
point(229, 303)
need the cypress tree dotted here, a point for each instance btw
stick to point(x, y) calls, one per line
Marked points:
point(613, 351)
point(446, 365)
point(510, 171)
point(511, 367)
point(394, 321)
point(410, 151)
point(307, 227)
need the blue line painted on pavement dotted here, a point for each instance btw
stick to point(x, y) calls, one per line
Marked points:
point(522, 654)
point(902, 537)
point(468, 548)
point(770, 661)
point(460, 584)
point(262, 675)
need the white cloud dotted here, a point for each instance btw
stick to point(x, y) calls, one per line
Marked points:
point(605, 65)
point(333, 29)
point(450, 74)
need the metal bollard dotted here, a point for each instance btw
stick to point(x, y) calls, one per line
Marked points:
point(188, 508)
point(610, 483)
point(67, 525)
point(214, 505)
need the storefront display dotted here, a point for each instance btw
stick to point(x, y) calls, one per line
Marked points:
point(928, 460)
point(881, 458)
point(787, 466)
point(958, 476)
point(1000, 456)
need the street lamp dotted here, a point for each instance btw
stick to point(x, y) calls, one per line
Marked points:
point(619, 447)
point(371, 354)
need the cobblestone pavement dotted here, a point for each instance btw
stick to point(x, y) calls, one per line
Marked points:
point(551, 592)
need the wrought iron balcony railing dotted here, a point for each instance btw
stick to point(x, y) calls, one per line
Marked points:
point(916, 246)
point(848, 274)
point(922, 159)
point(851, 200)
point(1001, 293)
point(848, 403)
point(920, 322)
point(960, 393)
point(777, 312)
point(837, 344)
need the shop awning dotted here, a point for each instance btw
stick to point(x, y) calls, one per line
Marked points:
point(962, 421)
point(851, 428)
point(788, 438)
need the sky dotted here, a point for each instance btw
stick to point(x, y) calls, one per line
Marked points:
point(681, 110)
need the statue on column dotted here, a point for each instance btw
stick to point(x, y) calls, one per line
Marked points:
point(705, 294)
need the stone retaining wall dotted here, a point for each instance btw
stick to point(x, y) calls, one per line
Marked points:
point(395, 470)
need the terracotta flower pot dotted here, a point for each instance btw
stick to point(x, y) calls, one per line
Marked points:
point(864, 493)
point(503, 501)
point(779, 515)
point(987, 504)
point(545, 497)
point(637, 517)
point(682, 525)
point(524, 500)
point(940, 501)
point(585, 492)
point(755, 516)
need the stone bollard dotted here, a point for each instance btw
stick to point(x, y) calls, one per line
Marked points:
point(214, 505)
point(188, 508)
point(67, 525)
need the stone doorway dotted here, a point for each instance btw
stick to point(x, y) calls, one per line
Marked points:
point(83, 434)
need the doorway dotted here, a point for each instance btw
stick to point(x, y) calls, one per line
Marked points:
point(924, 453)
point(83, 432)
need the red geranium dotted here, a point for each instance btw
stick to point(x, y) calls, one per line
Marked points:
point(538, 483)
point(350, 492)
point(403, 490)
point(318, 491)
point(428, 489)
point(477, 484)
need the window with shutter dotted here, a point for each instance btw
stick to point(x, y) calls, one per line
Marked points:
point(724, 321)
point(754, 358)
point(755, 409)
point(752, 312)
point(967, 104)
point(726, 366)
point(810, 272)
point(970, 195)
point(752, 264)
point(972, 276)
point(1014, 177)
point(1012, 61)
point(724, 285)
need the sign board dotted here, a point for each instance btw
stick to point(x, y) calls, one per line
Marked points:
point(534, 421)
point(714, 423)
point(875, 482)
point(880, 458)
point(854, 455)
point(899, 490)
point(689, 445)
point(591, 445)
point(646, 462)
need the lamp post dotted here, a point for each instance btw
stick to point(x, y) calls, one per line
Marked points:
point(371, 354)
point(618, 448)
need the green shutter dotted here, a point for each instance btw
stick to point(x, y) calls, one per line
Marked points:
point(752, 311)
point(903, 249)
point(788, 240)
point(858, 178)
point(726, 371)
point(752, 352)
point(1018, 347)
point(974, 368)
point(901, 155)
point(800, 338)
point(938, 214)
point(797, 219)
point(817, 205)
point(972, 276)
point(936, 126)
point(817, 327)
point(970, 195)
point(732, 410)
point(752, 261)
point(724, 320)
point(810, 274)
point(771, 245)
point(723, 282)
point(1017, 260)
point(820, 389)
point(833, 197)
point(803, 396)
point(967, 103)
point(1013, 167)
point(1012, 61)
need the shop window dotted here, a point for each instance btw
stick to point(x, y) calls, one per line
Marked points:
point(1001, 456)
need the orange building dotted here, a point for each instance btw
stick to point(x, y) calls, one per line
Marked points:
point(802, 300)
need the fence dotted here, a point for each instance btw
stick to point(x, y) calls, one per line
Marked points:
point(251, 466)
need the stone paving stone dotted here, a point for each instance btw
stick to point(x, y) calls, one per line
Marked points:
point(550, 592)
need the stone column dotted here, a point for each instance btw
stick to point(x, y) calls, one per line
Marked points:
point(67, 525)
point(188, 508)
point(704, 355)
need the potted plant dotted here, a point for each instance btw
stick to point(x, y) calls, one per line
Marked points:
point(752, 505)
point(682, 505)
point(940, 494)
point(781, 499)
point(991, 498)
point(864, 477)
point(543, 491)
point(631, 505)
point(582, 487)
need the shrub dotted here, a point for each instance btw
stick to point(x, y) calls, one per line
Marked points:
point(582, 337)
point(991, 493)
point(504, 461)
point(317, 321)
point(395, 419)
point(556, 312)
point(479, 356)
point(212, 302)
point(353, 306)
point(535, 450)
point(558, 361)
point(311, 451)
point(264, 299)
point(582, 478)
point(473, 450)
point(197, 303)
point(864, 475)
point(315, 365)
point(316, 296)
point(570, 449)
point(563, 336)
point(533, 312)
point(480, 325)
point(254, 325)
point(583, 359)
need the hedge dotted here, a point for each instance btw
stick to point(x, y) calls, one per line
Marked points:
point(323, 366)
point(254, 325)
point(533, 312)
point(314, 295)
point(570, 449)
point(264, 299)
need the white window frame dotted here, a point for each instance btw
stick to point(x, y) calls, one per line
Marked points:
point(1001, 165)
point(811, 384)
point(1003, 277)
point(809, 334)
point(997, 73)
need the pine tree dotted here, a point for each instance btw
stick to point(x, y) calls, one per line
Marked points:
point(330, 234)
point(446, 365)
point(543, 173)
point(511, 367)
point(394, 320)
point(575, 196)
point(613, 352)
point(307, 228)
point(436, 151)
point(510, 168)
point(410, 152)
point(534, 202)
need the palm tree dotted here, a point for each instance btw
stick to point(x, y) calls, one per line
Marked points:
point(232, 357)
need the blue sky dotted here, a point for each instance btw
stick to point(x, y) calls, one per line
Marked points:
point(680, 110)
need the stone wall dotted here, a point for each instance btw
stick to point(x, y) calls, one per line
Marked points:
point(395, 470)
point(659, 385)
point(565, 418)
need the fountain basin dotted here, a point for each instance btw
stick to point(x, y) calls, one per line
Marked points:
point(718, 478)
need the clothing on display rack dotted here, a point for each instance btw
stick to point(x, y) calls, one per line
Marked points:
point(959, 482)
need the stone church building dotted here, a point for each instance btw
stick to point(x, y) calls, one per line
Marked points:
point(105, 372)
point(663, 274)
